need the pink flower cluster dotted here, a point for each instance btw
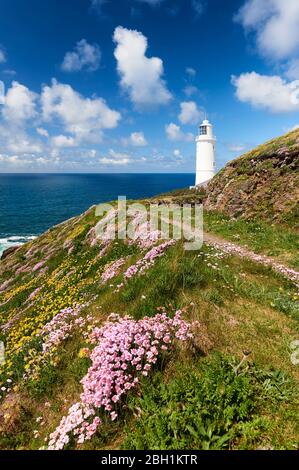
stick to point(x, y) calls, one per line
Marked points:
point(125, 349)
point(34, 293)
point(148, 260)
point(38, 266)
point(5, 284)
point(62, 326)
point(112, 270)
point(232, 249)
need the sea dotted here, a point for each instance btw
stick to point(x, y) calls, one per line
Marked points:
point(32, 203)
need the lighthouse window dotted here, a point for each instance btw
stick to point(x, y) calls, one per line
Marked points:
point(203, 130)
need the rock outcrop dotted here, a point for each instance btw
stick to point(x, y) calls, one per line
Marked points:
point(263, 183)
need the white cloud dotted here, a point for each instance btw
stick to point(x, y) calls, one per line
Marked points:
point(92, 153)
point(116, 158)
point(85, 56)
point(24, 140)
point(191, 72)
point(23, 144)
point(270, 92)
point(2, 56)
point(190, 90)
point(276, 25)
point(2, 92)
point(14, 139)
point(61, 141)
point(43, 132)
point(20, 103)
point(85, 118)
point(9, 72)
point(136, 139)
point(140, 75)
point(189, 114)
point(177, 154)
point(292, 71)
point(18, 111)
point(174, 133)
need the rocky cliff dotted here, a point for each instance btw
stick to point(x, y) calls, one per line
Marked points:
point(262, 183)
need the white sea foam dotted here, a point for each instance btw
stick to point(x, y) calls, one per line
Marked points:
point(14, 241)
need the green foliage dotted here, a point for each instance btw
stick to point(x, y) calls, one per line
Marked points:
point(45, 384)
point(19, 440)
point(163, 284)
point(208, 407)
point(272, 240)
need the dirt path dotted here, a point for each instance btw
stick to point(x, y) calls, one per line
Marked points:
point(234, 249)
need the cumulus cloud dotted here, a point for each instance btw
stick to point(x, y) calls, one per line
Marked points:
point(23, 144)
point(61, 141)
point(190, 113)
point(85, 56)
point(275, 24)
point(2, 56)
point(18, 110)
point(116, 159)
point(80, 121)
point(141, 77)
point(84, 118)
point(43, 132)
point(269, 92)
point(136, 139)
point(19, 104)
point(174, 133)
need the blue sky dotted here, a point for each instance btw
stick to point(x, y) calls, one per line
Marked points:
point(122, 85)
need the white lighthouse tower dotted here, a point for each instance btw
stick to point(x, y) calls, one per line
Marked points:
point(205, 153)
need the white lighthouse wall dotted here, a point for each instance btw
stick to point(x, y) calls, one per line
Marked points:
point(205, 161)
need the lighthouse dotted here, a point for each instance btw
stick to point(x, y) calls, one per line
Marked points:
point(205, 153)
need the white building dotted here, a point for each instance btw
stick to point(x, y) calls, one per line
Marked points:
point(205, 153)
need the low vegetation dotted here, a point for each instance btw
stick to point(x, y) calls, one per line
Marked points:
point(229, 384)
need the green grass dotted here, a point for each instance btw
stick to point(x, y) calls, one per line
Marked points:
point(207, 406)
point(239, 304)
point(272, 240)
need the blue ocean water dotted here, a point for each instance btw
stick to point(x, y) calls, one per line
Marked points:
point(32, 203)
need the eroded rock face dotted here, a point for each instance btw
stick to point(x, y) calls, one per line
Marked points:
point(9, 251)
point(263, 183)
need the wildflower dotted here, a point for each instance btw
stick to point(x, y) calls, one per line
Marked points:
point(124, 350)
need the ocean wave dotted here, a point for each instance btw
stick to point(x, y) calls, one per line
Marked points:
point(14, 240)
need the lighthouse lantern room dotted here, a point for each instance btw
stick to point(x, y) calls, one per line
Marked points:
point(205, 153)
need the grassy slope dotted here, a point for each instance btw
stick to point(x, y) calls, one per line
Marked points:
point(240, 305)
point(253, 200)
